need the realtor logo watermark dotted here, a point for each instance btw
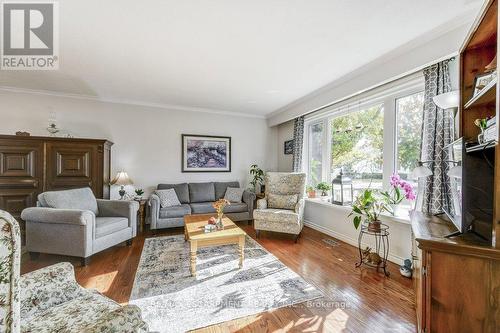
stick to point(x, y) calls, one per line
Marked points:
point(30, 35)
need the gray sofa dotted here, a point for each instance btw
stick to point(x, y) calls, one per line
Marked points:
point(75, 223)
point(197, 198)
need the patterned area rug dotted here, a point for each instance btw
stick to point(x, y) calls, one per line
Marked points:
point(173, 301)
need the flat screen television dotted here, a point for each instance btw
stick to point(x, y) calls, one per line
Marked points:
point(453, 186)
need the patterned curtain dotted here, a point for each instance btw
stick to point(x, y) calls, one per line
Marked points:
point(298, 143)
point(437, 133)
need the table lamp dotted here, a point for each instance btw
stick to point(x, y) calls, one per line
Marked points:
point(420, 172)
point(122, 179)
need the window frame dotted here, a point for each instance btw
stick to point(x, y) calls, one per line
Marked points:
point(386, 96)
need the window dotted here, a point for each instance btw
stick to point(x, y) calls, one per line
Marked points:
point(357, 142)
point(315, 159)
point(369, 136)
point(409, 117)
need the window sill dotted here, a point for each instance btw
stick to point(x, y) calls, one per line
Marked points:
point(403, 217)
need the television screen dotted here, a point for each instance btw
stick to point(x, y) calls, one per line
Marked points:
point(453, 186)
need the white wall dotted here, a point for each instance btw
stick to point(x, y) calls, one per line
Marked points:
point(147, 140)
point(332, 220)
point(285, 133)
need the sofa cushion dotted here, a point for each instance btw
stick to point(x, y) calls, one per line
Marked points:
point(175, 211)
point(80, 198)
point(168, 198)
point(236, 208)
point(109, 225)
point(181, 190)
point(202, 208)
point(201, 192)
point(282, 201)
point(234, 194)
point(220, 188)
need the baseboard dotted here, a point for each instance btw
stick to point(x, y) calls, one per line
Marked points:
point(349, 240)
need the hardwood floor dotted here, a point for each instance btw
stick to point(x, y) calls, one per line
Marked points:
point(356, 300)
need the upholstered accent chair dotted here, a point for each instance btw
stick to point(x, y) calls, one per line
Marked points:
point(75, 223)
point(282, 208)
point(50, 299)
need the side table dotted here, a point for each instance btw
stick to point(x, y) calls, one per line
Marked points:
point(141, 213)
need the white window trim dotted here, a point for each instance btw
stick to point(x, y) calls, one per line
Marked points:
point(386, 95)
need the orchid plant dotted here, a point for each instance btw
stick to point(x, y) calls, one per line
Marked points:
point(369, 204)
point(400, 189)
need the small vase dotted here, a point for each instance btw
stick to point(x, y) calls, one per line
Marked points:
point(374, 226)
point(480, 137)
point(218, 224)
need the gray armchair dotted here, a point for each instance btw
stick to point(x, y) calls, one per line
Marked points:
point(75, 223)
point(282, 209)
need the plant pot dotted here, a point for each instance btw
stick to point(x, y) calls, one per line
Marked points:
point(311, 194)
point(374, 226)
point(324, 194)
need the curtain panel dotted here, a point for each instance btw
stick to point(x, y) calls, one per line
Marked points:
point(298, 143)
point(437, 132)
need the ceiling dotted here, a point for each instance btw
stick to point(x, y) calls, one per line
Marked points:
point(250, 57)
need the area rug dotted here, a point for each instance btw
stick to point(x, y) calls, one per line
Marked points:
point(172, 300)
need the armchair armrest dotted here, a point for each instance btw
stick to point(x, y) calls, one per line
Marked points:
point(120, 208)
point(54, 215)
point(47, 287)
point(125, 319)
point(154, 203)
point(299, 206)
point(262, 203)
point(249, 199)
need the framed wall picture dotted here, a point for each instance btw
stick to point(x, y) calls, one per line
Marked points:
point(288, 147)
point(206, 153)
point(481, 81)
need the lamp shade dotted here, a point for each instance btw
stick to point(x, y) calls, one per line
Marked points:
point(455, 171)
point(122, 179)
point(420, 172)
point(447, 100)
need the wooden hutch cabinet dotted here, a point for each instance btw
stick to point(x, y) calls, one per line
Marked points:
point(457, 279)
point(30, 165)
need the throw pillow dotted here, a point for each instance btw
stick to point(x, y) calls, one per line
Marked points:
point(168, 198)
point(234, 194)
point(282, 201)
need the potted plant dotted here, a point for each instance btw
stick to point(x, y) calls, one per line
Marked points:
point(311, 192)
point(482, 124)
point(400, 189)
point(369, 204)
point(139, 192)
point(257, 176)
point(324, 187)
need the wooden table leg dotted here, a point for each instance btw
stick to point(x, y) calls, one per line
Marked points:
point(241, 249)
point(194, 248)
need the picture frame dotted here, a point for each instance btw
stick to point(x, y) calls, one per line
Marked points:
point(206, 153)
point(288, 147)
point(481, 81)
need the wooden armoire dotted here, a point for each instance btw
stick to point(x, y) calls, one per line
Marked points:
point(30, 165)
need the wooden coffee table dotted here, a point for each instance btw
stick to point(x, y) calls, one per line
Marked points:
point(194, 232)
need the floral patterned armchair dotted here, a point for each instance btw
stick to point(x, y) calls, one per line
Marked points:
point(282, 209)
point(50, 299)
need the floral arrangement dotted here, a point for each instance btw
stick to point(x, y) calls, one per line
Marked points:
point(219, 206)
point(400, 190)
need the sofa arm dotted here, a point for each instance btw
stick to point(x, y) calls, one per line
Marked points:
point(154, 203)
point(47, 287)
point(120, 208)
point(299, 207)
point(249, 199)
point(262, 203)
point(126, 319)
point(54, 215)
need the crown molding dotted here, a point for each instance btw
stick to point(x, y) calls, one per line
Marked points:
point(171, 107)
